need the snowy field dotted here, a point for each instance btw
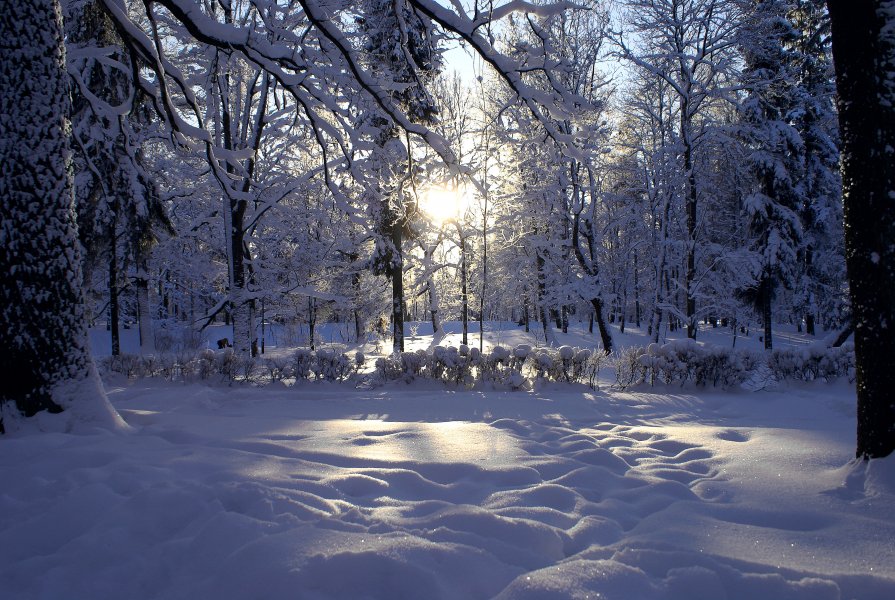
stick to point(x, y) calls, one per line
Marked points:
point(322, 491)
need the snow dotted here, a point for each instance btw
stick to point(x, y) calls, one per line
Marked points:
point(327, 491)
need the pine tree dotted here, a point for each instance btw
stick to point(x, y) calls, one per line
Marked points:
point(775, 152)
point(821, 289)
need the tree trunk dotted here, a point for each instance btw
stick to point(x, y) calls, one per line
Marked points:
point(45, 361)
point(397, 274)
point(691, 222)
point(464, 296)
point(144, 311)
point(636, 293)
point(767, 288)
point(312, 322)
point(484, 274)
point(526, 317)
point(605, 336)
point(114, 312)
point(863, 56)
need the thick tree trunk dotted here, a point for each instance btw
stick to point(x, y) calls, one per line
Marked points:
point(863, 55)
point(45, 361)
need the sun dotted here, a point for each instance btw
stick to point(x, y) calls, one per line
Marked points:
point(444, 203)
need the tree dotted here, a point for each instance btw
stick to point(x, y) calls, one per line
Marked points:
point(822, 289)
point(775, 152)
point(45, 361)
point(863, 35)
point(689, 44)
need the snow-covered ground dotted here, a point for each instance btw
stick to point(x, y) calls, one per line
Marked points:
point(416, 491)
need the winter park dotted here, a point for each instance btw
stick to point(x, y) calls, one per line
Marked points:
point(447, 299)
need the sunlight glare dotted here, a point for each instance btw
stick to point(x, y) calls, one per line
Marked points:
point(442, 204)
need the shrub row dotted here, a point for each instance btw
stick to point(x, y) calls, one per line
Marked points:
point(515, 368)
point(814, 362)
point(676, 363)
point(321, 365)
point(684, 361)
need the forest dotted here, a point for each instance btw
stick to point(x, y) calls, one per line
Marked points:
point(669, 164)
point(447, 299)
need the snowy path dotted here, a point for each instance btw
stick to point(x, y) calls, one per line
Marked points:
point(415, 492)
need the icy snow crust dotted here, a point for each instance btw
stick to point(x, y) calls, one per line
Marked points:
point(324, 491)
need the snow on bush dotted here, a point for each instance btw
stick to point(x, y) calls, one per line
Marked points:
point(678, 362)
point(683, 361)
point(813, 362)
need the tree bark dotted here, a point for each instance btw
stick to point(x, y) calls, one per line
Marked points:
point(144, 311)
point(767, 287)
point(114, 312)
point(397, 274)
point(863, 55)
point(45, 361)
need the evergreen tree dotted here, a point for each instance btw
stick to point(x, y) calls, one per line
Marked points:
point(775, 152)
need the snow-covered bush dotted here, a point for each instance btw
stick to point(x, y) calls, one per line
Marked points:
point(629, 366)
point(129, 365)
point(683, 361)
point(812, 362)
point(205, 364)
point(303, 362)
point(331, 365)
point(276, 367)
point(520, 354)
point(388, 369)
point(586, 366)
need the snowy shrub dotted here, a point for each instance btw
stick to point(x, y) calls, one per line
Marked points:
point(205, 364)
point(331, 365)
point(629, 367)
point(245, 367)
point(303, 361)
point(165, 340)
point(413, 364)
point(586, 367)
point(402, 366)
point(452, 365)
point(226, 364)
point(168, 366)
point(500, 354)
point(683, 361)
point(129, 365)
point(386, 369)
point(277, 367)
point(520, 354)
point(547, 364)
point(812, 362)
